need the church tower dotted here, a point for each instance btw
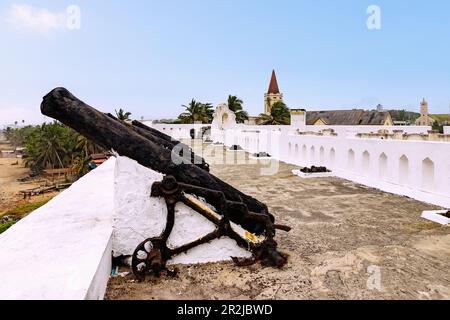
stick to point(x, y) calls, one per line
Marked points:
point(273, 94)
point(424, 119)
point(424, 108)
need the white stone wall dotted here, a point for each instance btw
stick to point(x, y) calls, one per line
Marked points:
point(182, 131)
point(138, 217)
point(418, 169)
point(351, 131)
point(177, 131)
point(63, 249)
point(447, 130)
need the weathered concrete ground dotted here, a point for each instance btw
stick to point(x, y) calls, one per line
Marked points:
point(342, 235)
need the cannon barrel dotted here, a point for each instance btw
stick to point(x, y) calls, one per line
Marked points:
point(61, 105)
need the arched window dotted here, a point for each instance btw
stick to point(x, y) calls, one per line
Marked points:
point(403, 171)
point(313, 155)
point(366, 163)
point(428, 174)
point(383, 166)
point(304, 153)
point(351, 159)
point(322, 156)
point(332, 156)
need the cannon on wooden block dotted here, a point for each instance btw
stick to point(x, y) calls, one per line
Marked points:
point(236, 214)
point(235, 147)
point(315, 169)
point(261, 155)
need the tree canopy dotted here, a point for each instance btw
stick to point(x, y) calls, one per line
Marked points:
point(279, 115)
point(123, 115)
point(53, 145)
point(235, 105)
point(197, 111)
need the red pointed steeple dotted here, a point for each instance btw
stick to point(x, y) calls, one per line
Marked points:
point(273, 87)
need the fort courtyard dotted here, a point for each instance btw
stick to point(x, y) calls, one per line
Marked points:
point(348, 241)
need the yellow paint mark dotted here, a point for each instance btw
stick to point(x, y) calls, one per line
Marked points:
point(250, 236)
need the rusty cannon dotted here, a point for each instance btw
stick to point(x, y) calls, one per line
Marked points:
point(187, 180)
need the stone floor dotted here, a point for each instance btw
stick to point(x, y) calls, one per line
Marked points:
point(348, 242)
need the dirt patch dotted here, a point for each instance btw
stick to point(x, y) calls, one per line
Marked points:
point(10, 186)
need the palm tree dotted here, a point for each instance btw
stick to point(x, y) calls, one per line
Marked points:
point(235, 105)
point(279, 115)
point(208, 111)
point(196, 112)
point(49, 146)
point(85, 146)
point(80, 166)
point(122, 115)
point(46, 147)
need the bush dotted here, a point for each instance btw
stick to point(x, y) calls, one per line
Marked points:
point(24, 209)
point(6, 226)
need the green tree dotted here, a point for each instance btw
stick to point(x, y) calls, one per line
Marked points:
point(235, 105)
point(80, 165)
point(86, 147)
point(197, 112)
point(279, 115)
point(438, 127)
point(17, 136)
point(46, 147)
point(53, 145)
point(122, 115)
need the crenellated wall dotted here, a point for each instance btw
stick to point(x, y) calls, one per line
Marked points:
point(417, 168)
point(178, 131)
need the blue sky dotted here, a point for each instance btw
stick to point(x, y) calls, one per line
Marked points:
point(150, 57)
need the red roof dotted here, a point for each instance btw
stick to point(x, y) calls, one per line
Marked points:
point(273, 87)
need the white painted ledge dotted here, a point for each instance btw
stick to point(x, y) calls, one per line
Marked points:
point(231, 151)
point(261, 158)
point(62, 250)
point(436, 216)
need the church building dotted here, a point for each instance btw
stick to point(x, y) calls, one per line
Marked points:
point(273, 94)
point(424, 119)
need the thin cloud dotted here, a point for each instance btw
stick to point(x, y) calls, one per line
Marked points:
point(41, 20)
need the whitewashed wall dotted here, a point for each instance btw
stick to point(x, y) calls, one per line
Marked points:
point(63, 249)
point(182, 131)
point(447, 130)
point(353, 130)
point(418, 169)
point(177, 131)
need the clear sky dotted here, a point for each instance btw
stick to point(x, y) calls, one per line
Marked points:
point(150, 57)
